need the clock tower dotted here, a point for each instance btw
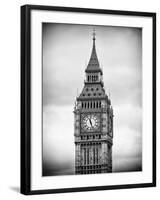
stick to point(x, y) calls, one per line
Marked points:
point(93, 122)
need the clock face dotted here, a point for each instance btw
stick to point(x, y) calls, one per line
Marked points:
point(90, 122)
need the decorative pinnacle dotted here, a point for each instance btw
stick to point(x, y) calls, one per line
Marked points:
point(94, 34)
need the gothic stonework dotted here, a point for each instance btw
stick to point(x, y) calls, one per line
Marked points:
point(93, 122)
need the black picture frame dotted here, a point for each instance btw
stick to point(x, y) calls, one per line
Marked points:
point(26, 97)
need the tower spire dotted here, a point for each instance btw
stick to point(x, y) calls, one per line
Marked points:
point(93, 65)
point(94, 34)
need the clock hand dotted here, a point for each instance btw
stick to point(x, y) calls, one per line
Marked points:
point(90, 122)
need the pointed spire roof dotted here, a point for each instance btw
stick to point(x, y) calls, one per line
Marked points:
point(93, 65)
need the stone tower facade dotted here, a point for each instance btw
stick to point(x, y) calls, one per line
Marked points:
point(93, 122)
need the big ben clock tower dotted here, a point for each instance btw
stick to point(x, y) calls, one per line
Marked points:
point(93, 122)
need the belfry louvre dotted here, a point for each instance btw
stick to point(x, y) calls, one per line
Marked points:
point(93, 122)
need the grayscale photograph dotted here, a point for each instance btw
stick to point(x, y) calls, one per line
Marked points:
point(92, 99)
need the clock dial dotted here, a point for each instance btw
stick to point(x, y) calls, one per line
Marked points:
point(90, 122)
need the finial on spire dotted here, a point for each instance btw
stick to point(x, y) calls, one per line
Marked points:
point(94, 34)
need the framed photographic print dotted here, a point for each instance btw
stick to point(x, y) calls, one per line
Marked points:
point(88, 99)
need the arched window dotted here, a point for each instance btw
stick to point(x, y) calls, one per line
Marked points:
point(97, 105)
point(88, 156)
point(85, 156)
point(94, 156)
point(88, 104)
point(82, 104)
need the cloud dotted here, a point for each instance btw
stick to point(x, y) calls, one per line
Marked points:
point(127, 164)
point(58, 140)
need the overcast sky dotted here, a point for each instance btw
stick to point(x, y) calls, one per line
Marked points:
point(66, 52)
